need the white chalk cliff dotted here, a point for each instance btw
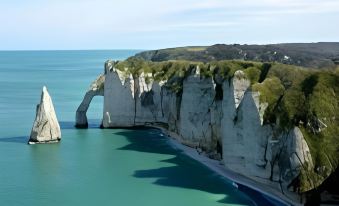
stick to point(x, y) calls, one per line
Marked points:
point(46, 127)
point(137, 102)
point(96, 89)
point(222, 118)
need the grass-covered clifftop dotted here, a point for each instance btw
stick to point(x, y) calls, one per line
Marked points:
point(296, 96)
point(315, 55)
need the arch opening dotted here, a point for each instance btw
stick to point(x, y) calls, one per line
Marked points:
point(96, 89)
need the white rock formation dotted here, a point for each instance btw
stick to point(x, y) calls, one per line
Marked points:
point(222, 118)
point(195, 112)
point(295, 154)
point(128, 101)
point(119, 103)
point(148, 100)
point(170, 104)
point(244, 138)
point(96, 89)
point(240, 85)
point(46, 127)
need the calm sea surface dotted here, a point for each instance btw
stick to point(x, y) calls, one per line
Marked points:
point(93, 166)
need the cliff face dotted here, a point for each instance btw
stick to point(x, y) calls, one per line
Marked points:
point(242, 133)
point(118, 89)
point(271, 122)
point(195, 112)
point(130, 101)
point(222, 118)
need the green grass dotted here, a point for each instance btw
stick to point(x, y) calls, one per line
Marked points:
point(271, 90)
point(196, 49)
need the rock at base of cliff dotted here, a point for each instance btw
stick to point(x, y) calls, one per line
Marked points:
point(46, 128)
point(81, 126)
point(45, 142)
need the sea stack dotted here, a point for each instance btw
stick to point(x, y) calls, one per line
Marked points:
point(46, 128)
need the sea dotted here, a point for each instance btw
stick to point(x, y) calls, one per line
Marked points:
point(118, 167)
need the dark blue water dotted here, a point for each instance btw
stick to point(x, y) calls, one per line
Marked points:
point(93, 166)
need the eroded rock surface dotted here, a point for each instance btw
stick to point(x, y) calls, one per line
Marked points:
point(220, 118)
point(195, 112)
point(295, 155)
point(46, 127)
point(96, 89)
point(130, 101)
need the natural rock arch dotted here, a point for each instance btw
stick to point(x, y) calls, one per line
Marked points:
point(96, 89)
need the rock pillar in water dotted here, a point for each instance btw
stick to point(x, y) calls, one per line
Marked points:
point(46, 127)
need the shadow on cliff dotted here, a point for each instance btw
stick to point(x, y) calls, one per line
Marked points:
point(185, 172)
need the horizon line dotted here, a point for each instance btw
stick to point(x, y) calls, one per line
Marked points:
point(178, 46)
point(13, 50)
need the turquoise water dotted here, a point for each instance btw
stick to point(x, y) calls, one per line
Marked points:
point(93, 166)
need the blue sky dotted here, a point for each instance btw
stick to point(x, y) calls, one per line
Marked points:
point(150, 24)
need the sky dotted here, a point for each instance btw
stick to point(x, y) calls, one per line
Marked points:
point(153, 24)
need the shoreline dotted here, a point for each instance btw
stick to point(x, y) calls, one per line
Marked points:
point(214, 165)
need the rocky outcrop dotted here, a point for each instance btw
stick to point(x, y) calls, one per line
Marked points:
point(240, 86)
point(195, 112)
point(136, 101)
point(46, 127)
point(119, 89)
point(147, 100)
point(221, 118)
point(294, 155)
point(96, 89)
point(170, 106)
point(244, 138)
